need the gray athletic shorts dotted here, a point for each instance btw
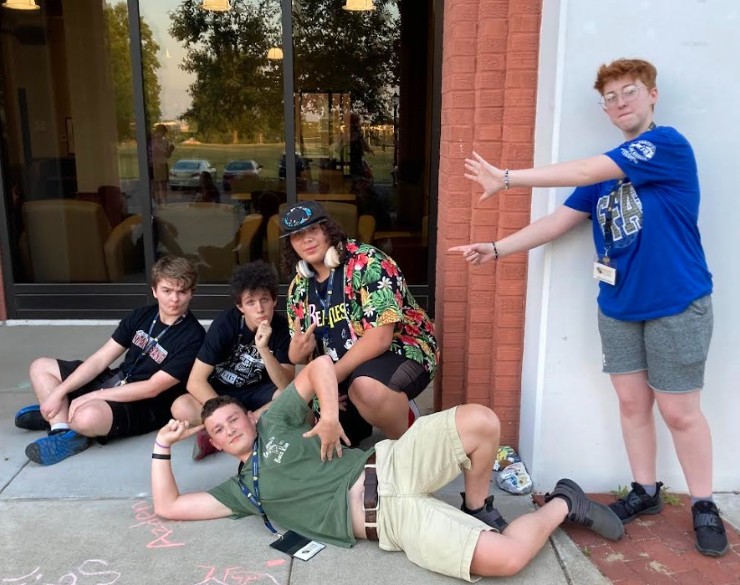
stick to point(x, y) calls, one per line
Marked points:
point(672, 349)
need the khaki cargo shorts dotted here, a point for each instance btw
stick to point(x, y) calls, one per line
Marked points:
point(433, 534)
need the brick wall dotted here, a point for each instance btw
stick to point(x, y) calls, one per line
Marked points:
point(489, 84)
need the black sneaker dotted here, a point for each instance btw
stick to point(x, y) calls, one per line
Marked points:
point(598, 517)
point(31, 419)
point(711, 539)
point(488, 515)
point(637, 502)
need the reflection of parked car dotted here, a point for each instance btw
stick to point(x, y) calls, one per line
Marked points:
point(186, 173)
point(239, 168)
point(301, 164)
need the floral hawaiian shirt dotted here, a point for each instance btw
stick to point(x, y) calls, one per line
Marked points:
point(375, 294)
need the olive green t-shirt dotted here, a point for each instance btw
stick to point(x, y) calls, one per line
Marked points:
point(298, 491)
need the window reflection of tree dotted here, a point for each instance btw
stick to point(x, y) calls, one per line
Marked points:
point(237, 92)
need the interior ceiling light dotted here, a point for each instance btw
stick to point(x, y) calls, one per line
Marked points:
point(359, 5)
point(21, 5)
point(216, 5)
point(275, 53)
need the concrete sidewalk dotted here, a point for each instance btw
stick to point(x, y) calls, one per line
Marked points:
point(88, 520)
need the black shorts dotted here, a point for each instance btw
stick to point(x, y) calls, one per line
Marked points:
point(395, 371)
point(253, 396)
point(129, 418)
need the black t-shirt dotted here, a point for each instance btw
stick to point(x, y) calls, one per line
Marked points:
point(173, 351)
point(328, 310)
point(229, 347)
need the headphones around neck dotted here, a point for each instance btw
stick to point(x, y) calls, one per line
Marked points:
point(331, 260)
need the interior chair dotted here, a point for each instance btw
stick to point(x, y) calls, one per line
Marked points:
point(331, 181)
point(247, 233)
point(123, 249)
point(113, 202)
point(212, 235)
point(66, 238)
point(204, 232)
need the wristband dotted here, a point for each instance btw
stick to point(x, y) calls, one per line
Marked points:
point(506, 180)
point(161, 446)
point(161, 456)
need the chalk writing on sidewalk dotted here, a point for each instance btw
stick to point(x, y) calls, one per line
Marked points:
point(144, 513)
point(234, 576)
point(90, 572)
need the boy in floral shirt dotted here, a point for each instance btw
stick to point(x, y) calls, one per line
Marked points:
point(350, 301)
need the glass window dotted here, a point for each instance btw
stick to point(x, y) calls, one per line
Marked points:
point(216, 138)
point(68, 141)
point(355, 143)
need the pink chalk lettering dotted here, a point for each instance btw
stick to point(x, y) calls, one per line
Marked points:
point(144, 513)
point(234, 576)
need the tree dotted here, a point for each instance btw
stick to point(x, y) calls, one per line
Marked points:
point(120, 58)
point(238, 91)
point(351, 52)
point(235, 90)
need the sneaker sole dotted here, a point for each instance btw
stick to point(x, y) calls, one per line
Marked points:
point(29, 418)
point(49, 456)
point(711, 552)
point(604, 521)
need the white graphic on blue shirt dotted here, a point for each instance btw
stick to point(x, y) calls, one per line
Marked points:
point(639, 151)
point(626, 214)
point(244, 367)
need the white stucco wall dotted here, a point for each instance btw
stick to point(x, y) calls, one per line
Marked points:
point(570, 423)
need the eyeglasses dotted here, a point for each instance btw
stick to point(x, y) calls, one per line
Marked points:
point(628, 94)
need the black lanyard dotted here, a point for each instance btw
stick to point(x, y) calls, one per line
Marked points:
point(325, 302)
point(151, 343)
point(611, 207)
point(254, 499)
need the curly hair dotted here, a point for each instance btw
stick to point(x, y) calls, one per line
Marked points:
point(175, 268)
point(635, 68)
point(212, 405)
point(334, 233)
point(252, 277)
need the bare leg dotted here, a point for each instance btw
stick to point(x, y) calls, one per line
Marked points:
point(636, 399)
point(187, 408)
point(508, 553)
point(93, 419)
point(480, 432)
point(45, 377)
point(382, 407)
point(692, 438)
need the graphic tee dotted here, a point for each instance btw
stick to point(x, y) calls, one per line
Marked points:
point(327, 308)
point(173, 352)
point(229, 347)
point(297, 490)
point(656, 247)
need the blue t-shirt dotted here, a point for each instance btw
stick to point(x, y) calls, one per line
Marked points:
point(656, 249)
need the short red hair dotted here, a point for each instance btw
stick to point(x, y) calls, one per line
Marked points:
point(635, 68)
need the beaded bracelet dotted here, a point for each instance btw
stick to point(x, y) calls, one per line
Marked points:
point(495, 251)
point(506, 180)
